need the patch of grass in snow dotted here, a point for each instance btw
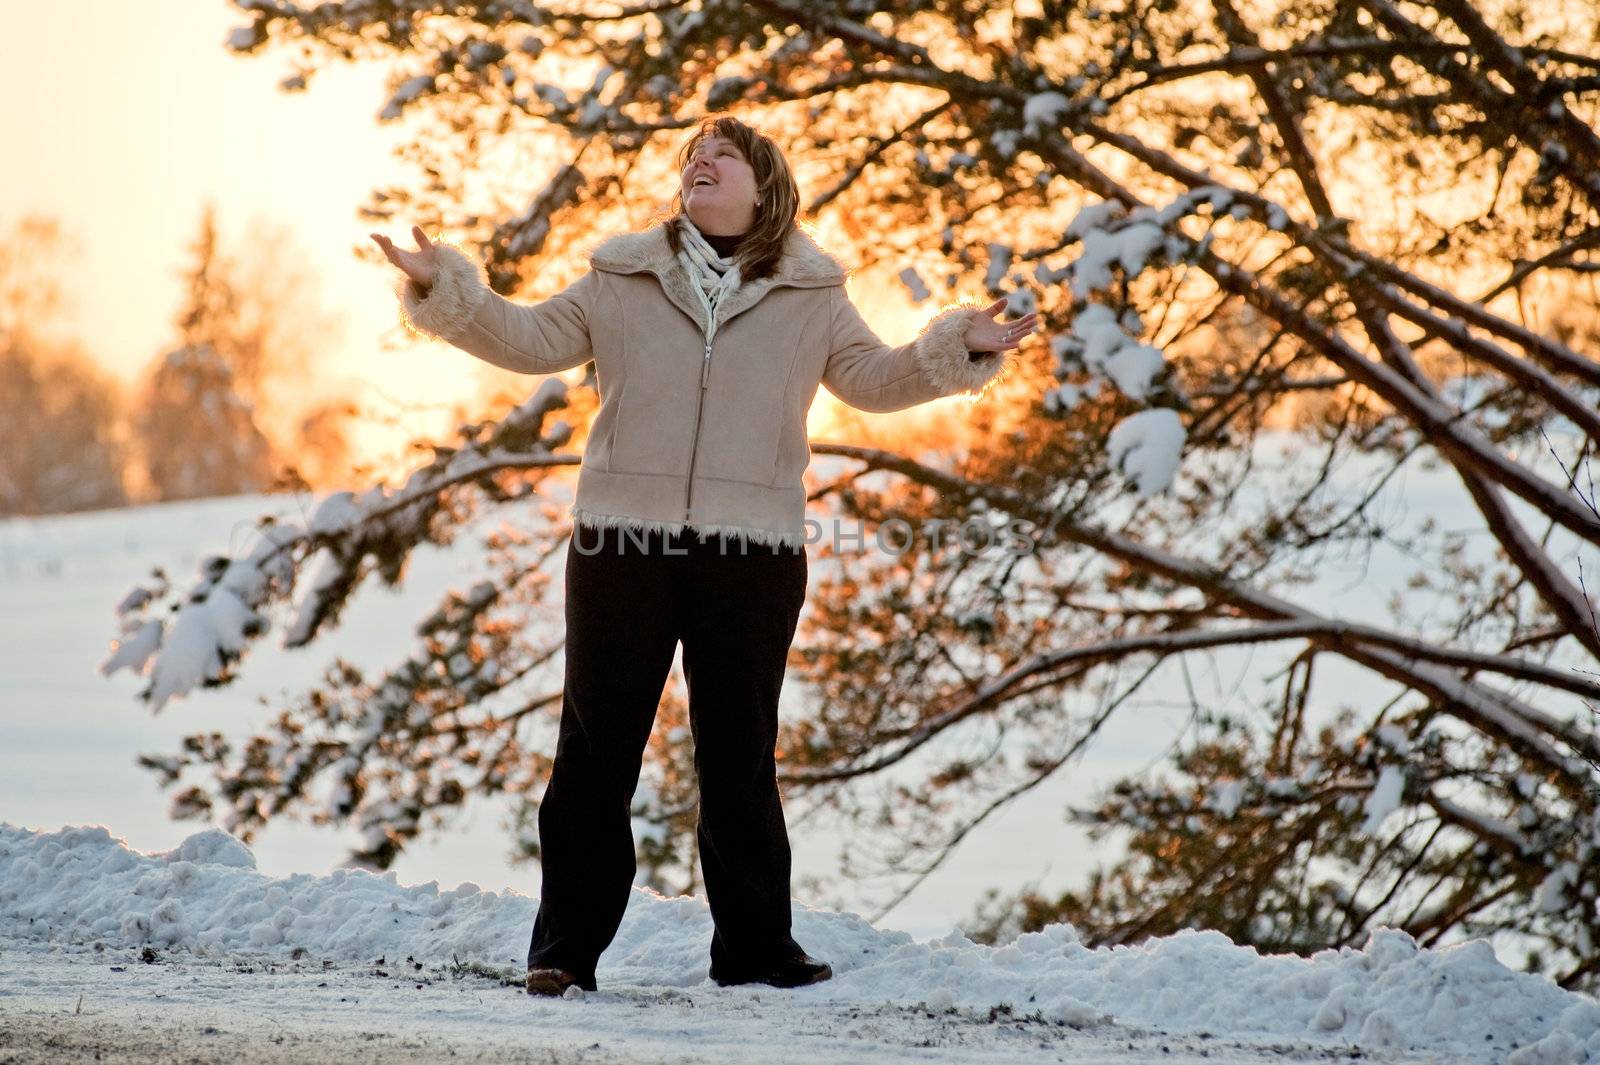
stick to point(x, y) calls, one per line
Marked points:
point(503, 975)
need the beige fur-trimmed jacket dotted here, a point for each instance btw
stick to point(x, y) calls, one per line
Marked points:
point(686, 434)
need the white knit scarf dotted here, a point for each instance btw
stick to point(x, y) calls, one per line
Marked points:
point(714, 277)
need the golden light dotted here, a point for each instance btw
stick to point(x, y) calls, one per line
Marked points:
point(886, 305)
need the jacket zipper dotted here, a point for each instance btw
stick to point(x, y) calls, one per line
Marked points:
point(705, 373)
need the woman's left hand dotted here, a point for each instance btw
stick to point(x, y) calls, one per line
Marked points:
point(986, 334)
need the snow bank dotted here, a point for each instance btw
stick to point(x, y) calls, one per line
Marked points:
point(82, 885)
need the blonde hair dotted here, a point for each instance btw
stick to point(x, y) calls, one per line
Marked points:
point(761, 250)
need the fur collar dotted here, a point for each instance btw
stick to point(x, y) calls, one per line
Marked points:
point(804, 265)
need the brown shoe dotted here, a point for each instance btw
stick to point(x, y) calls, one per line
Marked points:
point(791, 972)
point(552, 982)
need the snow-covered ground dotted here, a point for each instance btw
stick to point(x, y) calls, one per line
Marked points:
point(193, 954)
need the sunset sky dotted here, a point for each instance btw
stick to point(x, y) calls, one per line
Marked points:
point(143, 115)
point(124, 119)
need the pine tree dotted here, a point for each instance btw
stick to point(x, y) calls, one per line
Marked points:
point(245, 331)
point(198, 436)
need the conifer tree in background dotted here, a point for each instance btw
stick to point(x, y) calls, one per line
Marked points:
point(197, 436)
point(1286, 255)
point(246, 331)
point(61, 434)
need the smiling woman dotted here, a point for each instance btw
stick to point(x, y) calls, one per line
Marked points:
point(736, 183)
point(699, 461)
point(721, 183)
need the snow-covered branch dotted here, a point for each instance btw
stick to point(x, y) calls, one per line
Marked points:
point(347, 536)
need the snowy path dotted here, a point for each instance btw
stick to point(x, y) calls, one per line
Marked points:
point(193, 955)
point(65, 1005)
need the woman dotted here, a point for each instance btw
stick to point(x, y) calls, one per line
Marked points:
point(710, 332)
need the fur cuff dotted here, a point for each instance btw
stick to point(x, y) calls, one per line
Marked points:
point(459, 289)
point(941, 352)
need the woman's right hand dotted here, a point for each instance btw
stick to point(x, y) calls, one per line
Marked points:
point(421, 266)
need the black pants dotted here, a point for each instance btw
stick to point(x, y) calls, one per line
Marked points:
point(631, 596)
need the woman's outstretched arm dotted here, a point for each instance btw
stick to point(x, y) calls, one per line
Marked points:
point(460, 308)
point(874, 376)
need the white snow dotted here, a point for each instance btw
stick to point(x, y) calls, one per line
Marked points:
point(999, 262)
point(140, 640)
point(241, 38)
point(1092, 217)
point(1147, 446)
point(192, 651)
point(1021, 302)
point(337, 512)
point(914, 284)
point(1225, 797)
point(323, 572)
point(1129, 247)
point(1107, 350)
point(1043, 109)
point(1385, 797)
point(204, 900)
point(1394, 738)
point(1552, 894)
point(408, 91)
point(1062, 398)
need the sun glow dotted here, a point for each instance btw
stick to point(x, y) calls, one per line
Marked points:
point(886, 305)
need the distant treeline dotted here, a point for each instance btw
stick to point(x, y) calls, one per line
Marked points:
point(206, 417)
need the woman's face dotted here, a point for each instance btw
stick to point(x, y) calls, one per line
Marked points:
point(719, 188)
